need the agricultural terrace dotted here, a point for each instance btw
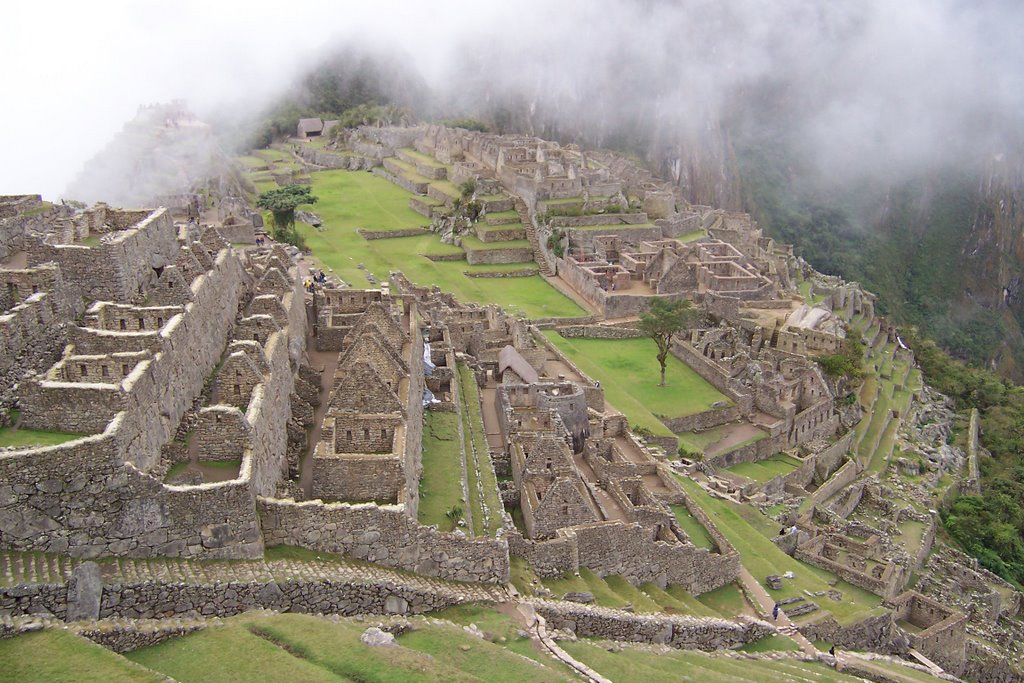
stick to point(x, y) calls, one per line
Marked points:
point(629, 374)
point(351, 200)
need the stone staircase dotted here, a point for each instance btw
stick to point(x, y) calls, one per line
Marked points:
point(531, 235)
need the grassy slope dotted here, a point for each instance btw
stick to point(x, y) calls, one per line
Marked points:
point(473, 431)
point(750, 532)
point(636, 666)
point(352, 200)
point(294, 647)
point(54, 656)
point(441, 483)
point(32, 437)
point(629, 374)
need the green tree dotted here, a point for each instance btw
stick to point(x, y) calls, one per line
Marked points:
point(281, 203)
point(662, 321)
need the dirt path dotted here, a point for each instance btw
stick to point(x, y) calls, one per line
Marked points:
point(737, 434)
point(327, 362)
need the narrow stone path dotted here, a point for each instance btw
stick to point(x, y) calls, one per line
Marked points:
point(327, 362)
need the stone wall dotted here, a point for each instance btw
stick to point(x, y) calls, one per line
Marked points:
point(842, 478)
point(549, 559)
point(358, 477)
point(701, 633)
point(703, 420)
point(875, 632)
point(160, 599)
point(96, 503)
point(629, 550)
point(600, 332)
point(124, 635)
point(385, 535)
point(128, 258)
point(492, 256)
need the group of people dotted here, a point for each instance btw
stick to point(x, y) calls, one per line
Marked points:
point(260, 240)
point(319, 278)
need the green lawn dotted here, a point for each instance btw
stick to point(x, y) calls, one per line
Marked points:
point(691, 236)
point(699, 536)
point(31, 437)
point(233, 653)
point(749, 531)
point(471, 243)
point(629, 374)
point(54, 656)
point(350, 200)
point(441, 482)
point(628, 665)
point(297, 647)
point(767, 469)
point(423, 158)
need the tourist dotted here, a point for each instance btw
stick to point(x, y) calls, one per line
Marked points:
point(775, 612)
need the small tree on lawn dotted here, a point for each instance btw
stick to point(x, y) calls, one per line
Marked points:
point(662, 321)
point(281, 203)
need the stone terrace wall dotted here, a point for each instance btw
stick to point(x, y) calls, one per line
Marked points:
point(871, 633)
point(549, 559)
point(600, 332)
point(702, 633)
point(627, 550)
point(159, 599)
point(384, 535)
point(268, 413)
point(129, 635)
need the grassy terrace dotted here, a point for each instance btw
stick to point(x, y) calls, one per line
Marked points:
point(699, 536)
point(352, 200)
point(767, 469)
point(629, 374)
point(616, 592)
point(700, 441)
point(409, 170)
point(423, 158)
point(441, 483)
point(54, 655)
point(20, 438)
point(304, 648)
point(628, 665)
point(448, 187)
point(691, 236)
point(750, 532)
point(478, 459)
point(500, 215)
point(471, 243)
point(805, 291)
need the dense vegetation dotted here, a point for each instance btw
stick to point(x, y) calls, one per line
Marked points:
point(909, 256)
point(989, 526)
point(281, 203)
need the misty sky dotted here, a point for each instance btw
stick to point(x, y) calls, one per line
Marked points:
point(911, 79)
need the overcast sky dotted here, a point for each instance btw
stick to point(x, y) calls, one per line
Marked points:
point(914, 77)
